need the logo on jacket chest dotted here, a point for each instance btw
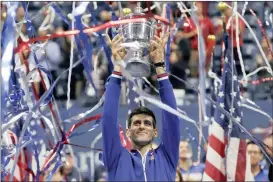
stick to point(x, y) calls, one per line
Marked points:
point(152, 157)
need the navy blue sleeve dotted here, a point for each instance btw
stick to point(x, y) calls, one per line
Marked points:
point(170, 122)
point(110, 130)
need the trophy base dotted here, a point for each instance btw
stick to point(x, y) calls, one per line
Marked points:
point(138, 69)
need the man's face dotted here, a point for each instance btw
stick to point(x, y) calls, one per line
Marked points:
point(228, 12)
point(184, 150)
point(255, 154)
point(199, 7)
point(68, 166)
point(141, 130)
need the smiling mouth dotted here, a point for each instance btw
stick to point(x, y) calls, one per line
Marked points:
point(140, 133)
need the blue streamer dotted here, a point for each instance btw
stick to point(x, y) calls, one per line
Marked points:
point(58, 164)
point(113, 18)
point(58, 11)
point(51, 162)
point(102, 41)
point(58, 157)
point(88, 48)
point(168, 50)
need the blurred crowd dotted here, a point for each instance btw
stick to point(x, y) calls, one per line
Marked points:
point(55, 56)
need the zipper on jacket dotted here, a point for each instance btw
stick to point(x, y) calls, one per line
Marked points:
point(143, 159)
point(144, 166)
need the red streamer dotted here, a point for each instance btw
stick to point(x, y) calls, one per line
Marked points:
point(64, 141)
point(256, 82)
point(109, 24)
point(263, 31)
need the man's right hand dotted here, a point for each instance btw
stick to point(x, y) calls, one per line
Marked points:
point(118, 52)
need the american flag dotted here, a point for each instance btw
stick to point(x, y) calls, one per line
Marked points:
point(233, 165)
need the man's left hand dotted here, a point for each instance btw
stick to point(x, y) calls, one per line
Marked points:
point(157, 48)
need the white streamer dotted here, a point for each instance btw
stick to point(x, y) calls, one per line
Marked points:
point(47, 23)
point(95, 4)
point(238, 45)
point(13, 120)
point(80, 9)
point(244, 9)
point(82, 115)
point(68, 103)
point(257, 70)
point(256, 40)
point(145, 79)
point(48, 122)
point(83, 18)
point(258, 110)
point(155, 5)
point(214, 76)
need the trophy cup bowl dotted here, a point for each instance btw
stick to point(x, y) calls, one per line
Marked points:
point(137, 37)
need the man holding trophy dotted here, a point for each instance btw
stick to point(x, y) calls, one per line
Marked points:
point(142, 163)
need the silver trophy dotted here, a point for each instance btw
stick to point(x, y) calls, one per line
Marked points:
point(137, 37)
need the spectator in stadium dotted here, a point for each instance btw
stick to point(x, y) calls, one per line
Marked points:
point(269, 142)
point(179, 58)
point(189, 170)
point(256, 157)
point(57, 176)
point(142, 163)
point(20, 14)
point(100, 173)
point(190, 32)
point(68, 170)
point(100, 72)
point(260, 59)
point(104, 9)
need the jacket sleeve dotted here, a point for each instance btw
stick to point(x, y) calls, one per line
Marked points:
point(170, 122)
point(110, 131)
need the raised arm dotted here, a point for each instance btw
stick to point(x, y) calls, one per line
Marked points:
point(170, 122)
point(110, 130)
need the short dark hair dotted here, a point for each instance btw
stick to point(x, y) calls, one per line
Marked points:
point(253, 143)
point(141, 110)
